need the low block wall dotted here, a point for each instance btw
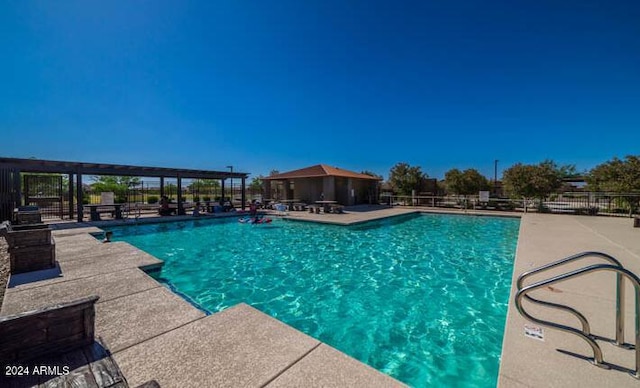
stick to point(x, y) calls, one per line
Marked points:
point(27, 217)
point(32, 258)
point(28, 237)
point(52, 330)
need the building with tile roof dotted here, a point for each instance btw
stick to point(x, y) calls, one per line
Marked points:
point(313, 183)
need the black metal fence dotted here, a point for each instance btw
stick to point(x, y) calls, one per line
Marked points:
point(50, 192)
point(581, 203)
point(610, 204)
point(148, 192)
point(46, 192)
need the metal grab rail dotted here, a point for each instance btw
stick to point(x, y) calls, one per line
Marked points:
point(619, 340)
point(597, 352)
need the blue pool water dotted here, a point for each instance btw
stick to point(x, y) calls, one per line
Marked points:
point(422, 298)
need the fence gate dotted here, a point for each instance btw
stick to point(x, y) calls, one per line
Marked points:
point(44, 191)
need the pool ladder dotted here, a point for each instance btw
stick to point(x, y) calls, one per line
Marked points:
point(611, 264)
point(127, 210)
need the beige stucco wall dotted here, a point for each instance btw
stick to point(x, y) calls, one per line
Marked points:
point(363, 189)
point(329, 188)
point(308, 190)
point(338, 189)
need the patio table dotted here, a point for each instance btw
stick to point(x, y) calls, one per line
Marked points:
point(95, 214)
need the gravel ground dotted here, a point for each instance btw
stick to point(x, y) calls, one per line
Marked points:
point(4, 268)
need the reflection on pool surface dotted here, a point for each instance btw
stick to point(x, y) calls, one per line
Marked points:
point(422, 298)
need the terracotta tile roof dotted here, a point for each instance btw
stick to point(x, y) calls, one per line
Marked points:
point(320, 170)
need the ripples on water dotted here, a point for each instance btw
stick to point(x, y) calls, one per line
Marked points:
point(422, 298)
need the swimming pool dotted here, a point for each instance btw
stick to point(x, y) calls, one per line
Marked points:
point(422, 298)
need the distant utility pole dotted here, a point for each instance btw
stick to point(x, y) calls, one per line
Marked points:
point(495, 176)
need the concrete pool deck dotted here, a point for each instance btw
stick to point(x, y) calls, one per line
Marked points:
point(544, 238)
point(154, 334)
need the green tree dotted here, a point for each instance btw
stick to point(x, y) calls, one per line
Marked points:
point(171, 189)
point(119, 185)
point(256, 185)
point(203, 189)
point(373, 174)
point(533, 181)
point(46, 186)
point(404, 178)
point(618, 176)
point(568, 171)
point(206, 186)
point(467, 182)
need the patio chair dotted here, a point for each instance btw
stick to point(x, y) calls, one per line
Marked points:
point(281, 209)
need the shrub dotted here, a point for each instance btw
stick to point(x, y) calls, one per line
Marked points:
point(152, 199)
point(206, 199)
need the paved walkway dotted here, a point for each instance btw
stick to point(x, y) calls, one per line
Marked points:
point(545, 238)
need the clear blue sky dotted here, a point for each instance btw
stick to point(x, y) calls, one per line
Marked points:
point(264, 85)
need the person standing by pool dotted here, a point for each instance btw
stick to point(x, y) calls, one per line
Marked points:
point(164, 206)
point(253, 208)
point(196, 210)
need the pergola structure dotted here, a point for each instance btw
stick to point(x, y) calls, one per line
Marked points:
point(12, 168)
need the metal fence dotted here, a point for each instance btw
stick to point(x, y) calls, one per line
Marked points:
point(47, 193)
point(582, 203)
point(50, 192)
point(148, 192)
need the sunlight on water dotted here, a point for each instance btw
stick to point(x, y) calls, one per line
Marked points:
point(422, 298)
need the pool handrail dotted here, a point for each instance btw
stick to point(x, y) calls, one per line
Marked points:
point(619, 340)
point(597, 352)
